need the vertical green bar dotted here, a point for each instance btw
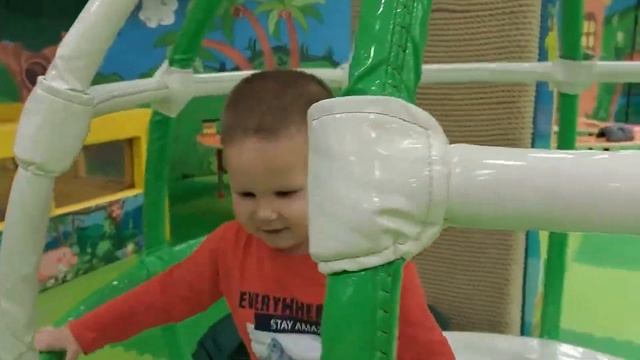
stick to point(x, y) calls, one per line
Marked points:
point(389, 47)
point(570, 26)
point(156, 181)
point(360, 319)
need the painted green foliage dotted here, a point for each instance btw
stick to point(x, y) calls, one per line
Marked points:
point(260, 51)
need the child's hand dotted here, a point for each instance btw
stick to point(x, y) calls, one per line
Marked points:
point(57, 339)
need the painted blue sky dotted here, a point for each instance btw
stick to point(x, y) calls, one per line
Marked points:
point(133, 52)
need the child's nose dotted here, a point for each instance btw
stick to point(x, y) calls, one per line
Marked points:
point(265, 212)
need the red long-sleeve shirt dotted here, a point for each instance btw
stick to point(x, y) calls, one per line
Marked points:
point(270, 294)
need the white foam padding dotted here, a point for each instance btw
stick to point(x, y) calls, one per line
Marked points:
point(377, 181)
point(83, 48)
point(52, 129)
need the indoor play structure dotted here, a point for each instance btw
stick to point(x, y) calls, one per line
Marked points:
point(609, 34)
point(461, 185)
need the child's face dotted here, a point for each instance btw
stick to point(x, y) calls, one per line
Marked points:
point(269, 185)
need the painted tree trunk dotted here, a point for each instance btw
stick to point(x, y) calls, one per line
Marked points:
point(263, 39)
point(226, 50)
point(294, 46)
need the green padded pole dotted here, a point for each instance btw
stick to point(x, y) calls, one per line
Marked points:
point(389, 47)
point(360, 318)
point(570, 32)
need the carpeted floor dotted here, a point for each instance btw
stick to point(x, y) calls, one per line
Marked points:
point(602, 293)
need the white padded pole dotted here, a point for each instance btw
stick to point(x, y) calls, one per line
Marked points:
point(83, 48)
point(59, 103)
point(29, 204)
point(384, 181)
point(564, 191)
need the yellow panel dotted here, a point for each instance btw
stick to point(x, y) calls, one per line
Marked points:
point(10, 112)
point(123, 125)
point(7, 134)
point(129, 124)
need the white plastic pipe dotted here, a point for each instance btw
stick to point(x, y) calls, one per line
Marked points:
point(618, 71)
point(127, 94)
point(521, 73)
point(58, 103)
point(83, 48)
point(30, 205)
point(527, 73)
point(222, 83)
point(521, 189)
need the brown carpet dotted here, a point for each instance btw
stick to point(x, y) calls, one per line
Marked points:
point(476, 277)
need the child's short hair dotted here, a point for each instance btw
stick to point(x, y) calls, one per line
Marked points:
point(267, 104)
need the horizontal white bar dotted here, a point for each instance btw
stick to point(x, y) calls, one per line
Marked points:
point(525, 73)
point(565, 191)
point(127, 94)
point(124, 95)
point(618, 71)
point(222, 83)
point(521, 73)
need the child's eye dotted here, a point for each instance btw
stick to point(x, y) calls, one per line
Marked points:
point(247, 195)
point(284, 194)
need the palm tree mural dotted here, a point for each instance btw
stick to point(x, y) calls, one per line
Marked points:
point(224, 21)
point(168, 39)
point(232, 10)
point(290, 11)
point(225, 49)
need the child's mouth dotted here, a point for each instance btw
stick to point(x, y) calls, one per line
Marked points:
point(273, 231)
